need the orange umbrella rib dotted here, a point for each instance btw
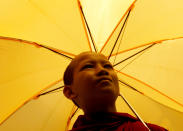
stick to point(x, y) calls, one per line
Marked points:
point(20, 40)
point(38, 45)
point(59, 51)
point(154, 42)
point(79, 7)
point(73, 111)
point(150, 87)
point(117, 26)
point(32, 97)
point(54, 83)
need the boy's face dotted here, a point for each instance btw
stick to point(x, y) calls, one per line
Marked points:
point(94, 79)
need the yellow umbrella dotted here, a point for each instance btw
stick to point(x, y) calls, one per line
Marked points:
point(28, 68)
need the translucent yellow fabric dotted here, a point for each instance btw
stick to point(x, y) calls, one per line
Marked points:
point(157, 72)
point(103, 16)
point(26, 69)
point(47, 22)
point(150, 110)
point(49, 112)
point(149, 21)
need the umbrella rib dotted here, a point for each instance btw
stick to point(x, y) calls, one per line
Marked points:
point(133, 110)
point(56, 52)
point(142, 45)
point(134, 54)
point(130, 86)
point(147, 85)
point(132, 61)
point(36, 44)
point(45, 93)
point(71, 116)
point(74, 113)
point(119, 34)
point(91, 37)
point(119, 44)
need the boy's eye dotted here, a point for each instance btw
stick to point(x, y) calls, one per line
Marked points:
point(108, 66)
point(87, 66)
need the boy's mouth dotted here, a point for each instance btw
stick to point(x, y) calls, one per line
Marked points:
point(104, 79)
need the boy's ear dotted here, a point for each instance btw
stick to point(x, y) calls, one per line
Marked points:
point(68, 92)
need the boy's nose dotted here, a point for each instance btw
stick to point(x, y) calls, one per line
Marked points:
point(102, 71)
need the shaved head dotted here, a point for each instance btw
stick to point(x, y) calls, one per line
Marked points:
point(68, 74)
point(90, 82)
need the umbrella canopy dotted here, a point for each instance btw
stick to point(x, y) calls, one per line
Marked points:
point(37, 20)
point(148, 22)
point(28, 68)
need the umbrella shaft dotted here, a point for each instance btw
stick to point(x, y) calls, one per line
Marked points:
point(133, 110)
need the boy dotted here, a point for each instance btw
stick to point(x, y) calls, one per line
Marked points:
point(92, 84)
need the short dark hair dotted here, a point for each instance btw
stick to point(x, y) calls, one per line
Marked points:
point(69, 72)
point(68, 76)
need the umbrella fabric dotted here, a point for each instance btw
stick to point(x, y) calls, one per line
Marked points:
point(35, 22)
point(52, 111)
point(48, 23)
point(57, 24)
point(148, 22)
point(157, 72)
point(28, 67)
point(144, 26)
point(105, 17)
